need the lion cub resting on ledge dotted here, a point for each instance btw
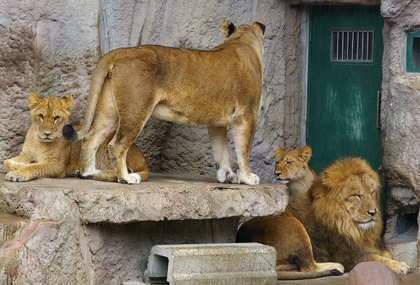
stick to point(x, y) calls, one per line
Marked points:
point(46, 153)
point(336, 219)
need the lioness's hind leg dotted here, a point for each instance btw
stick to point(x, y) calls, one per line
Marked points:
point(136, 163)
point(118, 150)
point(243, 135)
point(218, 142)
point(127, 132)
point(106, 122)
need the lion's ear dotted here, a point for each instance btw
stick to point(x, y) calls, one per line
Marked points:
point(33, 101)
point(67, 102)
point(279, 150)
point(305, 153)
point(259, 24)
point(228, 28)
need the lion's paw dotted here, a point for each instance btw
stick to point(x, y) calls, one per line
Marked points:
point(226, 176)
point(132, 178)
point(17, 176)
point(252, 179)
point(330, 266)
point(400, 267)
point(11, 165)
point(88, 174)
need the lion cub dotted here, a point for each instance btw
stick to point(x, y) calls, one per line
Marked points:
point(46, 153)
point(292, 169)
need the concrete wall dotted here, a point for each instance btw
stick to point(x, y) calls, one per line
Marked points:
point(52, 48)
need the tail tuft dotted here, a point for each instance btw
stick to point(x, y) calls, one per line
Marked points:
point(69, 133)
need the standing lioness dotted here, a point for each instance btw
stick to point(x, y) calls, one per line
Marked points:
point(216, 88)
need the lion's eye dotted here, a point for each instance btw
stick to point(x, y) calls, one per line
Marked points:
point(277, 162)
point(41, 117)
point(288, 162)
point(358, 197)
point(56, 118)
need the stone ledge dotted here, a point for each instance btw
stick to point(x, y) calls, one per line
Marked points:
point(163, 197)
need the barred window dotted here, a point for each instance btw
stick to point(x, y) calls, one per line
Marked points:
point(352, 46)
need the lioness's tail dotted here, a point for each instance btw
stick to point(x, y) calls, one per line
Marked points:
point(98, 79)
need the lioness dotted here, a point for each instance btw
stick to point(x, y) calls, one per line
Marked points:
point(337, 219)
point(216, 88)
point(46, 153)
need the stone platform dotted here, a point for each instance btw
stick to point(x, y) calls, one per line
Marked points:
point(72, 231)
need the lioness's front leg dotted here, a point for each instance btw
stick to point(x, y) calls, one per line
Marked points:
point(106, 122)
point(243, 135)
point(218, 142)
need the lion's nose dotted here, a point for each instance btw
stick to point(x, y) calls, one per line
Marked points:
point(372, 212)
point(47, 134)
point(277, 174)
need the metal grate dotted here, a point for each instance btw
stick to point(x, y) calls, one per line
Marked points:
point(352, 46)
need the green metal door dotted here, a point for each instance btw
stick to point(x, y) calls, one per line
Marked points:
point(345, 73)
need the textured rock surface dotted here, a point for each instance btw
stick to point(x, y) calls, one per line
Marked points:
point(401, 225)
point(71, 231)
point(400, 105)
point(161, 198)
point(354, 2)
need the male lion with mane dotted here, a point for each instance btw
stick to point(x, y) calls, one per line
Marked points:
point(46, 153)
point(336, 220)
point(217, 88)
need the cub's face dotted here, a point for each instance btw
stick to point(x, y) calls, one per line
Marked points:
point(362, 201)
point(49, 115)
point(291, 164)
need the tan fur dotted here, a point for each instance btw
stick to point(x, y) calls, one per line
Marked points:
point(336, 220)
point(46, 153)
point(292, 169)
point(217, 88)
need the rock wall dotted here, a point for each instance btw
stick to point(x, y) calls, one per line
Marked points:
point(52, 48)
point(400, 119)
point(47, 47)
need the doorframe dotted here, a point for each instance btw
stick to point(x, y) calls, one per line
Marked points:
point(305, 39)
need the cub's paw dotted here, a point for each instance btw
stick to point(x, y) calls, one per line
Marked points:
point(251, 179)
point(132, 178)
point(10, 165)
point(17, 176)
